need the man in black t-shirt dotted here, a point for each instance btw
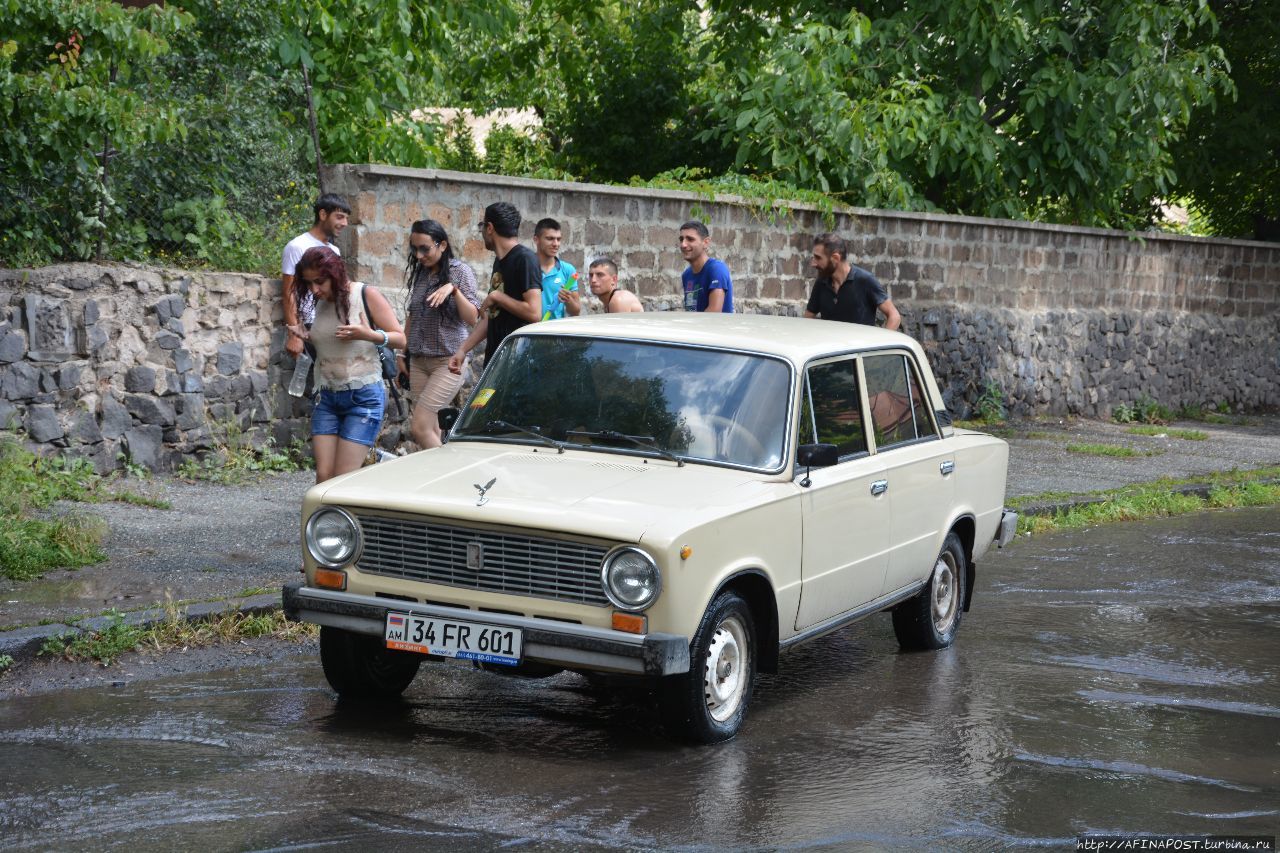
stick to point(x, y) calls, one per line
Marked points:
point(844, 292)
point(515, 285)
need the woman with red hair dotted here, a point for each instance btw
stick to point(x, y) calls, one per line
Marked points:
point(348, 373)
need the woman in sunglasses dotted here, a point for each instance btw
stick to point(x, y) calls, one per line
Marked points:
point(443, 306)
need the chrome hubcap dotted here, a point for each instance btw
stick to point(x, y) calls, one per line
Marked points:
point(724, 679)
point(946, 592)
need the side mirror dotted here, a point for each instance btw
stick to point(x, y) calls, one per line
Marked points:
point(816, 456)
point(448, 416)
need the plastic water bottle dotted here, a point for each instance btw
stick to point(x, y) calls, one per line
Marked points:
point(376, 455)
point(301, 370)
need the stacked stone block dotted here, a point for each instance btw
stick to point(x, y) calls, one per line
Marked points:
point(115, 363)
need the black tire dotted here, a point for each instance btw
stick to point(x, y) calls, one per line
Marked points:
point(930, 619)
point(708, 703)
point(359, 666)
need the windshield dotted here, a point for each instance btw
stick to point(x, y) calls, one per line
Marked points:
point(639, 398)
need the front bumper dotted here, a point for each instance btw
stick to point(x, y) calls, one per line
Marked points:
point(1008, 527)
point(560, 643)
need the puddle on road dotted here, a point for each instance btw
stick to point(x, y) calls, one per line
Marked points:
point(1106, 681)
point(67, 591)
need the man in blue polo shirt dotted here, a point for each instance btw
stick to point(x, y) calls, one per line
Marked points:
point(707, 285)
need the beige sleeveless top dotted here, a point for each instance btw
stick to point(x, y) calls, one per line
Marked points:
point(343, 365)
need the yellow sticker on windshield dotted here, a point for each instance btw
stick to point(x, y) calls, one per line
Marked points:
point(482, 397)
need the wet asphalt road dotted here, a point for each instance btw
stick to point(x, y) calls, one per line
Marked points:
point(1119, 680)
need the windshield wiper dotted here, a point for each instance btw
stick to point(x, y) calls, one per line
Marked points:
point(645, 441)
point(509, 427)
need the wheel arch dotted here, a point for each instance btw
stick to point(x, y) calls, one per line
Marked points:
point(754, 587)
point(966, 527)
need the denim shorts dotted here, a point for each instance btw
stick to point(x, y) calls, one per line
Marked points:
point(354, 415)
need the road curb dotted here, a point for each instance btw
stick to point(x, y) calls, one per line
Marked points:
point(26, 642)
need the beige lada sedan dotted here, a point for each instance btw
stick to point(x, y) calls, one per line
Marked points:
point(682, 497)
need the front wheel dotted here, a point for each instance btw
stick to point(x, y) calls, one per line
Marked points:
point(708, 703)
point(359, 666)
point(930, 619)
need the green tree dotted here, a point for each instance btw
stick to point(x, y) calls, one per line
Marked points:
point(370, 64)
point(1014, 108)
point(619, 87)
point(1229, 162)
point(71, 72)
point(240, 180)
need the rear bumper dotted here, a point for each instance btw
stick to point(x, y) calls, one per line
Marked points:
point(559, 643)
point(1008, 527)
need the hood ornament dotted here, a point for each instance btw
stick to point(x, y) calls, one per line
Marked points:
point(481, 500)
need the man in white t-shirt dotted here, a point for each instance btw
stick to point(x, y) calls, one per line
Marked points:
point(332, 211)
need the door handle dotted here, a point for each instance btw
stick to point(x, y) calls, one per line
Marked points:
point(947, 467)
point(879, 487)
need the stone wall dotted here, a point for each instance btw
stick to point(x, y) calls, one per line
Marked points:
point(115, 363)
point(1066, 320)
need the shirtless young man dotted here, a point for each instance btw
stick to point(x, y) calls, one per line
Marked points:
point(602, 277)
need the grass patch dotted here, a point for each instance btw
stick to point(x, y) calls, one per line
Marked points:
point(1095, 449)
point(127, 497)
point(29, 547)
point(30, 544)
point(1185, 434)
point(104, 645)
point(177, 632)
point(174, 631)
point(1156, 499)
point(1247, 494)
point(236, 459)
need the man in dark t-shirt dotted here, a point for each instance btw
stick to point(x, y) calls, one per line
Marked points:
point(515, 285)
point(845, 292)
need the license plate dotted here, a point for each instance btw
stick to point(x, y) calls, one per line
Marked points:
point(430, 635)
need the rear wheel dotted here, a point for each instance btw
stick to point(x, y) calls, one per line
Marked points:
point(930, 619)
point(359, 666)
point(709, 702)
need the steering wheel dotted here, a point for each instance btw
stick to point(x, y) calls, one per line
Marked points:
point(734, 432)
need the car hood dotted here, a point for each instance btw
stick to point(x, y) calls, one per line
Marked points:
point(586, 492)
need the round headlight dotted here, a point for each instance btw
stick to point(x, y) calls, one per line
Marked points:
point(332, 536)
point(631, 579)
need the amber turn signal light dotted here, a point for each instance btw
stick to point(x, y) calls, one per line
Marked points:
point(330, 579)
point(632, 623)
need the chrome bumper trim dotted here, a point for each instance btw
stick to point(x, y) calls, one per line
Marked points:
point(561, 643)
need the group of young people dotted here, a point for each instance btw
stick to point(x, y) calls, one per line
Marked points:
point(343, 323)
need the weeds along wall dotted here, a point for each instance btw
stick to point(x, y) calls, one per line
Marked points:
point(117, 362)
point(1065, 320)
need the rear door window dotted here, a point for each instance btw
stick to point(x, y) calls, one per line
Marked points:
point(899, 408)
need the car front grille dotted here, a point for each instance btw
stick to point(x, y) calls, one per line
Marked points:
point(513, 563)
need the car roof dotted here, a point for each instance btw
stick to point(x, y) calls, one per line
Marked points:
point(795, 338)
